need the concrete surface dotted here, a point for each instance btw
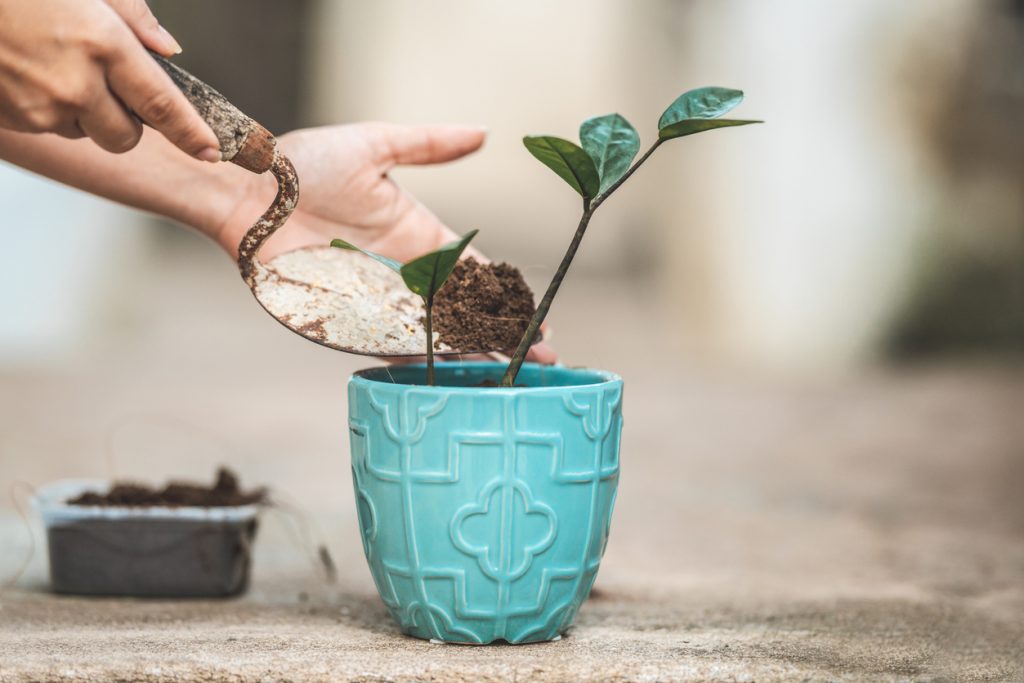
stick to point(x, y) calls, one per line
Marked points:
point(864, 527)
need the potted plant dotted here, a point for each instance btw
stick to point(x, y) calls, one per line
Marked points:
point(485, 490)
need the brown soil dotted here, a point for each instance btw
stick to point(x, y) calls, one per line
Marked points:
point(483, 307)
point(225, 492)
point(490, 384)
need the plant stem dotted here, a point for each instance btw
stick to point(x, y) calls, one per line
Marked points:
point(625, 176)
point(545, 304)
point(429, 302)
point(589, 207)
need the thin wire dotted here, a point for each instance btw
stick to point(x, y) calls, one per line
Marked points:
point(9, 582)
point(290, 511)
point(308, 529)
point(294, 513)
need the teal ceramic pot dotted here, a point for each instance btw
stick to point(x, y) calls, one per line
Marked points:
point(484, 511)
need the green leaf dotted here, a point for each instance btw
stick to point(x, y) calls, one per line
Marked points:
point(426, 274)
point(568, 160)
point(702, 103)
point(612, 142)
point(696, 111)
point(389, 262)
point(691, 126)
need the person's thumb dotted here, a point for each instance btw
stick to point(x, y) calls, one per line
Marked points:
point(147, 29)
point(395, 144)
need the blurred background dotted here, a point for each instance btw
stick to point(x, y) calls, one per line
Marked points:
point(811, 315)
point(879, 214)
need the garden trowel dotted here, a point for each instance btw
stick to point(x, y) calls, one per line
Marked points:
point(333, 297)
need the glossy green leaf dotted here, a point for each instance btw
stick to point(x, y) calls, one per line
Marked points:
point(568, 160)
point(702, 103)
point(389, 262)
point(696, 111)
point(691, 126)
point(612, 142)
point(426, 274)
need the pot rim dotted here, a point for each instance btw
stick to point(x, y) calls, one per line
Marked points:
point(595, 378)
point(50, 501)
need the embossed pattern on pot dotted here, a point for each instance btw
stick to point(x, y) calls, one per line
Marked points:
point(484, 512)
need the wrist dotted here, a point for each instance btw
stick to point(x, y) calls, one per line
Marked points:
point(235, 200)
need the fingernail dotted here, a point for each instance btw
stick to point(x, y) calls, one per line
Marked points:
point(172, 45)
point(209, 154)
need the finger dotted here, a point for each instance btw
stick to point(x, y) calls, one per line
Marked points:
point(70, 130)
point(394, 144)
point(145, 89)
point(540, 352)
point(403, 360)
point(147, 29)
point(438, 358)
point(110, 125)
point(543, 353)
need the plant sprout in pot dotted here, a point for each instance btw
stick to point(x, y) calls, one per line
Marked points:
point(485, 490)
point(423, 276)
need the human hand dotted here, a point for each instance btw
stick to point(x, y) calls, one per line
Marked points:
point(345, 191)
point(79, 68)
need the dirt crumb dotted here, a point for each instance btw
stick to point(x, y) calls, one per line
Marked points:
point(483, 307)
point(225, 492)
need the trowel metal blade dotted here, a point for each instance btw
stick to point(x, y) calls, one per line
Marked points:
point(345, 301)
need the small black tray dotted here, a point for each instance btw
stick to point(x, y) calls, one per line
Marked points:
point(145, 552)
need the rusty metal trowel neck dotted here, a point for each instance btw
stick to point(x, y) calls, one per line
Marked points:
point(243, 141)
point(272, 219)
point(246, 143)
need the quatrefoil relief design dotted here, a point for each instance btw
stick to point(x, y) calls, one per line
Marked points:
point(504, 530)
point(367, 514)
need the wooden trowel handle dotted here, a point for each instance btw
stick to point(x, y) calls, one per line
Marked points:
point(242, 140)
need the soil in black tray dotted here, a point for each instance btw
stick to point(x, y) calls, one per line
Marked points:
point(483, 306)
point(225, 492)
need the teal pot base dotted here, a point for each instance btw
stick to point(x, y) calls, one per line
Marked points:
point(484, 511)
point(460, 643)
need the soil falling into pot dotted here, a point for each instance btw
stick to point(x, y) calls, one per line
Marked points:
point(483, 306)
point(225, 492)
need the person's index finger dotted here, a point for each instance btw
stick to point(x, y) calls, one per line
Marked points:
point(149, 92)
point(429, 144)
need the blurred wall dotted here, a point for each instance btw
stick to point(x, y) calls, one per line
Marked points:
point(794, 244)
point(806, 225)
point(969, 281)
point(65, 255)
point(252, 51)
point(517, 68)
point(819, 239)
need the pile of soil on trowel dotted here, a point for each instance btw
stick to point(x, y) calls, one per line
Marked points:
point(225, 492)
point(483, 307)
